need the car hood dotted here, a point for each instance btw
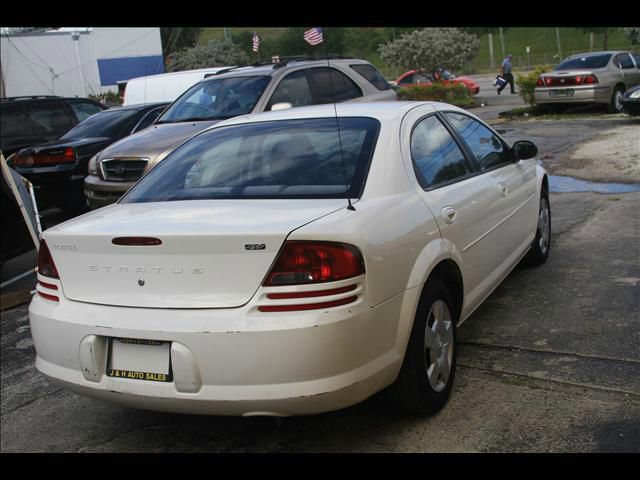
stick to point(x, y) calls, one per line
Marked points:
point(155, 140)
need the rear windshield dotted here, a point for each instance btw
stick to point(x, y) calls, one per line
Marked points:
point(591, 61)
point(278, 159)
point(216, 99)
point(109, 123)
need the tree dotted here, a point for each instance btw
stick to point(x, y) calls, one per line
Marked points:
point(605, 31)
point(217, 53)
point(178, 38)
point(431, 48)
point(633, 34)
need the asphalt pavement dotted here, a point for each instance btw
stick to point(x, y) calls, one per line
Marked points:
point(549, 363)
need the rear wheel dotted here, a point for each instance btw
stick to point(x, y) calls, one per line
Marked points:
point(426, 377)
point(539, 251)
point(615, 106)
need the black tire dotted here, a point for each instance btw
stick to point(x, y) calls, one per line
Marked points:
point(615, 105)
point(413, 391)
point(539, 251)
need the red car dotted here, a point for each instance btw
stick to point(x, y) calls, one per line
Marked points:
point(422, 77)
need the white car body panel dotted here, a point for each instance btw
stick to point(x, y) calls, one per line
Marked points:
point(227, 356)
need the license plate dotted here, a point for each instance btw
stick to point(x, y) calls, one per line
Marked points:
point(561, 93)
point(138, 359)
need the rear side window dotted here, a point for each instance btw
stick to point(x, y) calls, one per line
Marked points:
point(84, 110)
point(330, 85)
point(372, 75)
point(278, 159)
point(437, 159)
point(11, 120)
point(293, 89)
point(407, 80)
point(487, 148)
point(624, 61)
point(48, 118)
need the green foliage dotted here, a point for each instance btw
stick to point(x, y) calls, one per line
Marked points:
point(431, 48)
point(633, 34)
point(108, 98)
point(217, 53)
point(526, 82)
point(453, 93)
point(177, 38)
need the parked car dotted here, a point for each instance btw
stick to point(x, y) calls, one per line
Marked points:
point(30, 120)
point(423, 77)
point(631, 101)
point(57, 169)
point(236, 91)
point(596, 77)
point(277, 265)
point(164, 87)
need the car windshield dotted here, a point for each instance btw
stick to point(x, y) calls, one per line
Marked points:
point(109, 123)
point(591, 61)
point(278, 159)
point(216, 99)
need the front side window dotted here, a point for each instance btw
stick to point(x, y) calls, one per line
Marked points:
point(277, 159)
point(216, 99)
point(330, 85)
point(407, 80)
point(84, 110)
point(293, 89)
point(487, 148)
point(437, 159)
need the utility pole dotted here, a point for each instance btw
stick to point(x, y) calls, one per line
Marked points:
point(76, 36)
point(502, 43)
point(591, 41)
point(227, 35)
point(2, 94)
point(492, 60)
point(559, 46)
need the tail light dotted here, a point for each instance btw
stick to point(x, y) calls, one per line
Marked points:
point(540, 82)
point(46, 265)
point(302, 262)
point(52, 157)
point(47, 268)
point(590, 79)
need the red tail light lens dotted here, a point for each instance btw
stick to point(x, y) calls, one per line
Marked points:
point(591, 79)
point(68, 155)
point(302, 262)
point(46, 266)
point(540, 82)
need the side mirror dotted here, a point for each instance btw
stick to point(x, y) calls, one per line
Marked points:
point(281, 106)
point(524, 149)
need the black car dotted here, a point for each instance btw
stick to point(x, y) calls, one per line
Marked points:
point(631, 101)
point(57, 169)
point(26, 121)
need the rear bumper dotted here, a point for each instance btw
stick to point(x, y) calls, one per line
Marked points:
point(101, 193)
point(226, 361)
point(595, 94)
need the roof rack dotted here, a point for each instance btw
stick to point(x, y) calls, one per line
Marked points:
point(28, 97)
point(281, 61)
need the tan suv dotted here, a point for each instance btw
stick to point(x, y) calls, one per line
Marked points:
point(229, 93)
point(596, 77)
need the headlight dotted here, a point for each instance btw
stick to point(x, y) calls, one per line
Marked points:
point(93, 165)
point(635, 94)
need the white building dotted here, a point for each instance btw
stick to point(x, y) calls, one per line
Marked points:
point(77, 61)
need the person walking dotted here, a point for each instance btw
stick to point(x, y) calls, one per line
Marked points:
point(505, 72)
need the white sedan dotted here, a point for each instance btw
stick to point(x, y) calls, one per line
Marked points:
point(292, 262)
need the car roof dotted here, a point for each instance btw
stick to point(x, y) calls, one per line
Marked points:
point(383, 111)
point(142, 106)
point(593, 54)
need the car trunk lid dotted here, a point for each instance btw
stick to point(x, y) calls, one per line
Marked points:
point(213, 253)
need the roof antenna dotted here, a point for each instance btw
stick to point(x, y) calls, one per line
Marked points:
point(344, 169)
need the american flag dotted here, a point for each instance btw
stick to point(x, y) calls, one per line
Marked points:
point(313, 36)
point(256, 42)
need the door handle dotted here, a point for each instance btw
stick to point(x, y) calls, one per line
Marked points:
point(503, 188)
point(449, 214)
